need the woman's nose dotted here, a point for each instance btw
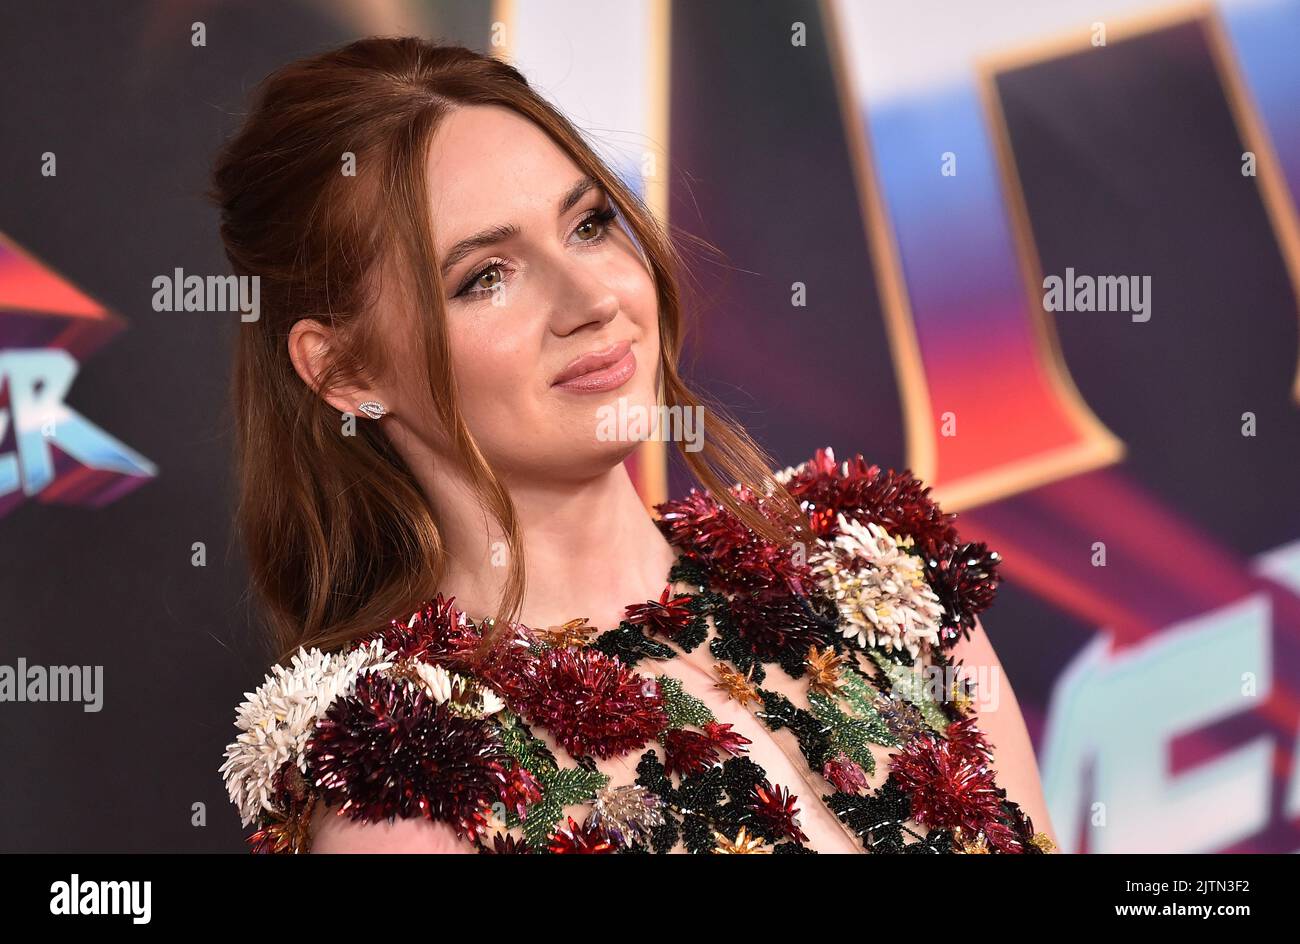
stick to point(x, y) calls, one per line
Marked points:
point(581, 298)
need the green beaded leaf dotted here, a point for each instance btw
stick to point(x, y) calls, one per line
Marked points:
point(682, 707)
point(914, 688)
point(850, 735)
point(561, 787)
point(859, 696)
point(523, 745)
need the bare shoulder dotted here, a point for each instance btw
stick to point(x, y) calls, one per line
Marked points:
point(999, 716)
point(333, 833)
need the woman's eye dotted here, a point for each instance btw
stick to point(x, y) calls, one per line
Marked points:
point(489, 283)
point(593, 229)
point(597, 224)
point(484, 281)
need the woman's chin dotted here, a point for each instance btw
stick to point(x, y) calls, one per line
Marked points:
point(596, 452)
point(611, 451)
point(606, 428)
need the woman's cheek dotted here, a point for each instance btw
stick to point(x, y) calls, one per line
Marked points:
point(635, 287)
point(502, 377)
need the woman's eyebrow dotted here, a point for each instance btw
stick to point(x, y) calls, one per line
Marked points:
point(574, 194)
point(487, 237)
point(503, 231)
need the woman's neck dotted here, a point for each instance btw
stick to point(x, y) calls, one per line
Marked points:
point(590, 549)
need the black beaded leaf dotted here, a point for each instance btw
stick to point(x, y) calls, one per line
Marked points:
point(689, 569)
point(740, 776)
point(792, 848)
point(936, 842)
point(652, 775)
point(665, 837)
point(631, 645)
point(702, 791)
point(733, 649)
point(697, 833)
point(877, 818)
point(728, 644)
point(697, 630)
point(814, 736)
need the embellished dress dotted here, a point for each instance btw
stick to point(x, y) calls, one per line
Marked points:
point(774, 699)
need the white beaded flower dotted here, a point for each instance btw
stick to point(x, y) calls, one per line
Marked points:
point(278, 718)
point(879, 586)
point(785, 475)
point(441, 685)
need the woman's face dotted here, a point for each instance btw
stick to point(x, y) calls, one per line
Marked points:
point(536, 278)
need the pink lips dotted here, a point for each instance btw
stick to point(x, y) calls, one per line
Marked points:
point(601, 370)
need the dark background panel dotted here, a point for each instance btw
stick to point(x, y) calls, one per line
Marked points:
point(134, 114)
point(1131, 164)
point(762, 169)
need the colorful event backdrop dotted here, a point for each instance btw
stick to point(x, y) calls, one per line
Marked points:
point(871, 195)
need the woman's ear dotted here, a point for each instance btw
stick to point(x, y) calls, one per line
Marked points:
point(310, 350)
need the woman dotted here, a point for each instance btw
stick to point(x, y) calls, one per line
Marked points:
point(454, 291)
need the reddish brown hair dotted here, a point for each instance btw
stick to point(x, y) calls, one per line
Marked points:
point(340, 538)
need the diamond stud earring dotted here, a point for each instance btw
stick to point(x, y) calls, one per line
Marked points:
point(372, 408)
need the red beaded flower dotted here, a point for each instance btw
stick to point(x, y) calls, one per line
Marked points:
point(437, 632)
point(777, 809)
point(505, 844)
point(691, 752)
point(779, 627)
point(587, 839)
point(590, 702)
point(965, 579)
point(666, 615)
point(738, 558)
point(521, 790)
point(688, 752)
point(727, 740)
point(700, 523)
point(964, 576)
point(950, 784)
point(845, 774)
point(897, 501)
point(390, 751)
